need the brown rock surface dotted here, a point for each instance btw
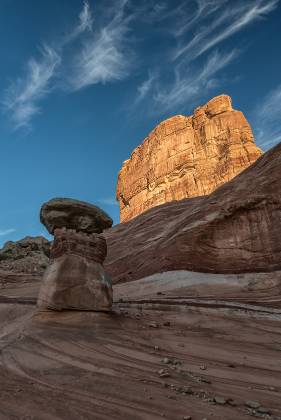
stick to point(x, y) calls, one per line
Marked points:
point(186, 157)
point(233, 230)
point(88, 365)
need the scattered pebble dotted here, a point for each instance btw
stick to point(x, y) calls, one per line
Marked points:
point(220, 400)
point(253, 404)
point(263, 410)
point(203, 367)
point(232, 402)
point(166, 324)
point(163, 373)
point(156, 347)
point(187, 418)
point(153, 324)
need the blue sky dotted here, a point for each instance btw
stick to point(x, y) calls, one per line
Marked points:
point(83, 83)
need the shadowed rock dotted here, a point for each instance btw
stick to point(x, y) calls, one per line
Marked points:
point(74, 214)
point(75, 278)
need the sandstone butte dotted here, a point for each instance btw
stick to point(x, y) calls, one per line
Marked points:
point(186, 156)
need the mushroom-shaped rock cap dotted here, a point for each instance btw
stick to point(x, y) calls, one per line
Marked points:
point(74, 214)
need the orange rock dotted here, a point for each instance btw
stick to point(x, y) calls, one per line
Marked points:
point(186, 157)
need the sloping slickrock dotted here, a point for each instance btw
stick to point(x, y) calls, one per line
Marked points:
point(74, 214)
point(233, 230)
point(186, 157)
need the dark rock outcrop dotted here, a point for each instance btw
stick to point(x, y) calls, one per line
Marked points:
point(75, 214)
point(233, 230)
point(29, 255)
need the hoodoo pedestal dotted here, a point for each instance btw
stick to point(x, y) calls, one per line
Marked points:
point(75, 277)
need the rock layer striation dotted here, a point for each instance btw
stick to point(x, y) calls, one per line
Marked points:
point(186, 156)
point(235, 229)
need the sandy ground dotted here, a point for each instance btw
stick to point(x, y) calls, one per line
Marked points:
point(175, 345)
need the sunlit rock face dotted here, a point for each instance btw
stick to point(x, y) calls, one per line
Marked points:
point(186, 156)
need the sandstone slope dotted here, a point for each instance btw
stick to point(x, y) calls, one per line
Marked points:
point(186, 157)
point(233, 230)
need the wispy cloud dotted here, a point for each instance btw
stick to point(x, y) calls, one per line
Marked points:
point(203, 9)
point(188, 84)
point(105, 56)
point(145, 88)
point(6, 232)
point(268, 120)
point(198, 27)
point(22, 97)
point(85, 24)
point(228, 21)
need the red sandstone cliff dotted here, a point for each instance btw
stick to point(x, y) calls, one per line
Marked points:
point(186, 157)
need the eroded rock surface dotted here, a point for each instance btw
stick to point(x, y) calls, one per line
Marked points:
point(74, 214)
point(185, 157)
point(235, 229)
point(75, 278)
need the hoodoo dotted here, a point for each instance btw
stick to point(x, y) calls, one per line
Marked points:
point(75, 278)
point(186, 156)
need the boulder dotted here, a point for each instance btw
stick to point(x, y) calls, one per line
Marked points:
point(74, 214)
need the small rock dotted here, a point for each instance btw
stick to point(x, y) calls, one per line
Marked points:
point(232, 402)
point(153, 324)
point(156, 347)
point(263, 410)
point(166, 324)
point(253, 404)
point(163, 373)
point(220, 400)
point(187, 418)
point(166, 360)
point(203, 367)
